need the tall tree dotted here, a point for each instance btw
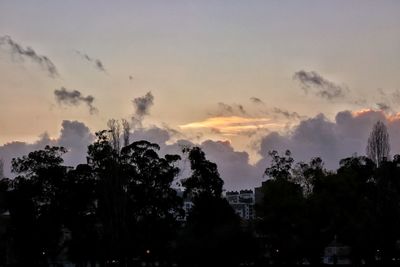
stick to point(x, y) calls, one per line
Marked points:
point(126, 131)
point(213, 234)
point(281, 211)
point(378, 147)
point(205, 179)
point(281, 166)
point(37, 204)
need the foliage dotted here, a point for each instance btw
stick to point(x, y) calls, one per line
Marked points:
point(121, 206)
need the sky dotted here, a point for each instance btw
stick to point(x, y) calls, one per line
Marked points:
point(237, 77)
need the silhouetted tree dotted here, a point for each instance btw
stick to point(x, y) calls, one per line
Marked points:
point(281, 166)
point(152, 204)
point(126, 128)
point(309, 174)
point(137, 206)
point(281, 211)
point(213, 234)
point(1, 169)
point(378, 147)
point(37, 204)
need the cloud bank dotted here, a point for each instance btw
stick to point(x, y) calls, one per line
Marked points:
point(74, 135)
point(333, 140)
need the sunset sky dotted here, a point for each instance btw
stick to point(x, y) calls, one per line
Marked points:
point(241, 72)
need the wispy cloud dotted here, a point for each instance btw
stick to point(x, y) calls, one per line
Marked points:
point(256, 100)
point(96, 62)
point(290, 115)
point(224, 109)
point(312, 81)
point(74, 98)
point(28, 52)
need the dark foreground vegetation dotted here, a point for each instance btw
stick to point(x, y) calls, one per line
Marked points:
point(119, 209)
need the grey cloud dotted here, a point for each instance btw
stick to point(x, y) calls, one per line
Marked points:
point(256, 100)
point(233, 166)
point(319, 85)
point(97, 63)
point(74, 98)
point(74, 135)
point(28, 52)
point(330, 140)
point(229, 110)
point(142, 107)
point(291, 115)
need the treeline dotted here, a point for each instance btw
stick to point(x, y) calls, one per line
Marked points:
point(119, 209)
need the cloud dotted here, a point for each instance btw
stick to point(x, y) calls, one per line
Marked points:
point(28, 52)
point(233, 166)
point(96, 62)
point(256, 100)
point(142, 107)
point(384, 107)
point(229, 110)
point(332, 140)
point(74, 136)
point(233, 125)
point(290, 115)
point(74, 98)
point(319, 85)
point(387, 101)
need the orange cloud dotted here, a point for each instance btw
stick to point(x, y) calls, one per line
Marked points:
point(233, 125)
point(389, 117)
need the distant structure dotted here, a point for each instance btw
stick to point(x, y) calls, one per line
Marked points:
point(336, 254)
point(242, 202)
point(187, 205)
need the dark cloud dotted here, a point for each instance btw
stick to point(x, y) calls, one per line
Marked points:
point(97, 63)
point(319, 85)
point(130, 77)
point(74, 98)
point(290, 115)
point(256, 100)
point(28, 52)
point(142, 107)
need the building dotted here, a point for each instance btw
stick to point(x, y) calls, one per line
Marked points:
point(242, 202)
point(336, 254)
